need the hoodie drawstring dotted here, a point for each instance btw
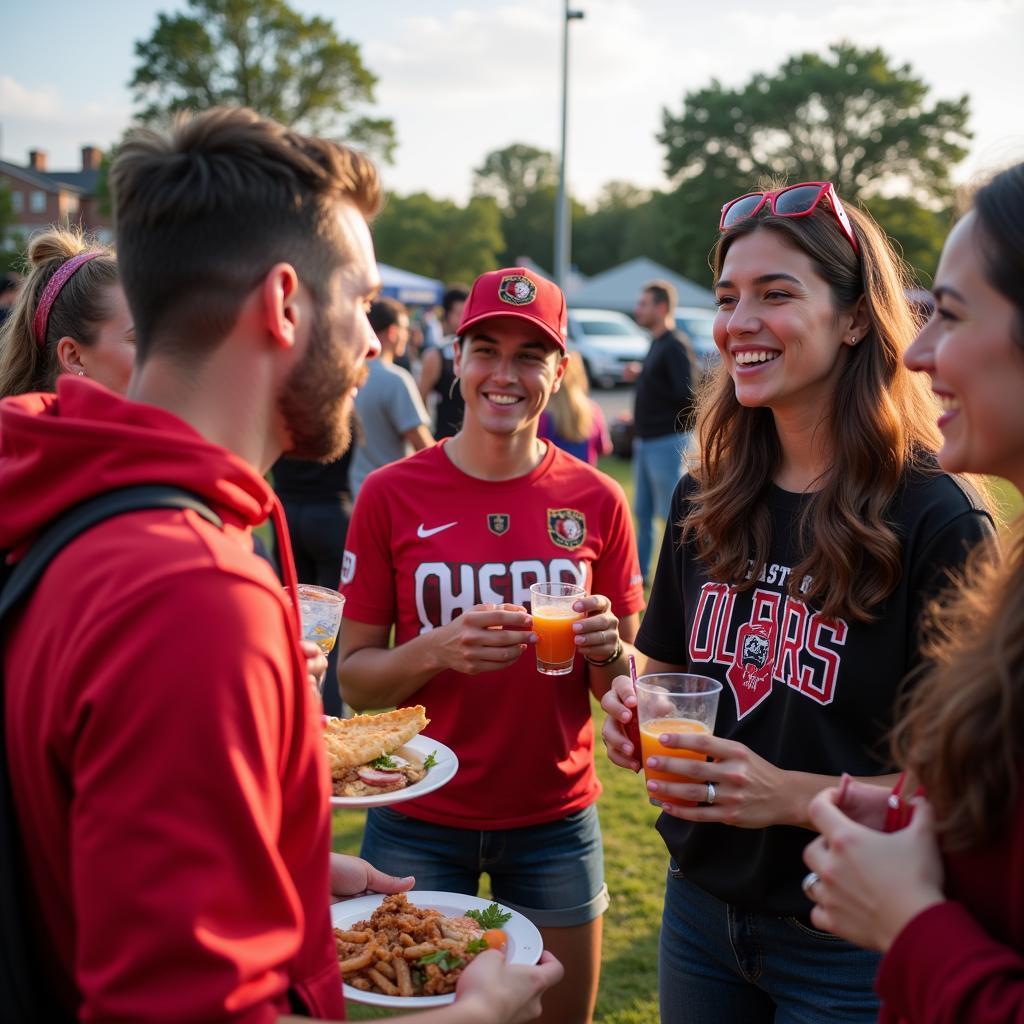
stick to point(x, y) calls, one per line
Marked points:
point(284, 552)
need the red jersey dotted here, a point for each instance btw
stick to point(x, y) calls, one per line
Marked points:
point(166, 764)
point(425, 544)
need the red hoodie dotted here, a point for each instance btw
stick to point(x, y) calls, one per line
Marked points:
point(165, 759)
point(962, 961)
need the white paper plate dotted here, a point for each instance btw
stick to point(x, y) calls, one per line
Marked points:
point(417, 749)
point(525, 944)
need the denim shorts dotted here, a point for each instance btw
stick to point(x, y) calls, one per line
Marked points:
point(552, 873)
point(719, 964)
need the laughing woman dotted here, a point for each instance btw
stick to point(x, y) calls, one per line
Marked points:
point(798, 558)
point(952, 929)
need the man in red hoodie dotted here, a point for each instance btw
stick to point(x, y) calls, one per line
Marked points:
point(163, 742)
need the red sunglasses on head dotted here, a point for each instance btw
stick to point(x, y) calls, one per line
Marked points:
point(793, 201)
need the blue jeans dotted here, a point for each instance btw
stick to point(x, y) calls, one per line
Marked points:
point(551, 873)
point(657, 467)
point(722, 965)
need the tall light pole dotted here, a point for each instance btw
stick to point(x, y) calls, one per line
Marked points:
point(563, 223)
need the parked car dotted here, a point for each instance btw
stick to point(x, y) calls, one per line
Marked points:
point(696, 322)
point(607, 342)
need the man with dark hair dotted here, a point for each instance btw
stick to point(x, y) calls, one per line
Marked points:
point(164, 752)
point(437, 369)
point(663, 409)
point(393, 421)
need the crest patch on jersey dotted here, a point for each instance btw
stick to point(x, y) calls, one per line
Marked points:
point(498, 523)
point(750, 674)
point(517, 290)
point(566, 527)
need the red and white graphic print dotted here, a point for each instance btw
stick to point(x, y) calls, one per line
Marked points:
point(782, 641)
point(750, 674)
point(444, 590)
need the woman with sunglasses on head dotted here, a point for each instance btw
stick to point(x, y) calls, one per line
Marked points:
point(942, 896)
point(799, 555)
point(70, 317)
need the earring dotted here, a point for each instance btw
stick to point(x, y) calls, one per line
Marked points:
point(81, 373)
point(853, 339)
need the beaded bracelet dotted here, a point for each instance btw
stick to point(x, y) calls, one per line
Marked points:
point(614, 656)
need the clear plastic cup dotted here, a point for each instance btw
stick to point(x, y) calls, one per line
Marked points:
point(675, 703)
point(320, 610)
point(551, 605)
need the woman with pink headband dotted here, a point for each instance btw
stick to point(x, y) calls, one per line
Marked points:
point(70, 317)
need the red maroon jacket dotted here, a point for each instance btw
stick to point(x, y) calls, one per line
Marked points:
point(167, 772)
point(962, 961)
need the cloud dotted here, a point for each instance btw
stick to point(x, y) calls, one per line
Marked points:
point(19, 101)
point(489, 76)
point(45, 118)
point(483, 76)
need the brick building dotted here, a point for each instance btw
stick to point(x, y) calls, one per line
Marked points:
point(41, 197)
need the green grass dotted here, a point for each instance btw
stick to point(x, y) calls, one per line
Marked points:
point(1007, 499)
point(620, 470)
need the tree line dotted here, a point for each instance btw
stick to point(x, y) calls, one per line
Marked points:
point(849, 115)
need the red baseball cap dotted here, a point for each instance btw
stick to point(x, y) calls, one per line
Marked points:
point(519, 294)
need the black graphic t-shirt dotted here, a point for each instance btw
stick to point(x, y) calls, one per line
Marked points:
point(807, 693)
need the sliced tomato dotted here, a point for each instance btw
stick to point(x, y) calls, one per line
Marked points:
point(374, 777)
point(495, 938)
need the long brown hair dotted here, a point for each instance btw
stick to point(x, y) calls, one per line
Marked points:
point(963, 732)
point(78, 311)
point(569, 407)
point(881, 422)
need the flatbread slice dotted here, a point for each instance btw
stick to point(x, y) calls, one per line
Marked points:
point(355, 741)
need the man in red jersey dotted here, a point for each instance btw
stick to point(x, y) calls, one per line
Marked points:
point(463, 529)
point(164, 751)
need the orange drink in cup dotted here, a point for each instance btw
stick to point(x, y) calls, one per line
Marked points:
point(674, 703)
point(551, 605)
point(651, 746)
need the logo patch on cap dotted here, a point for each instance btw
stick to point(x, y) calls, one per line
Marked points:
point(517, 290)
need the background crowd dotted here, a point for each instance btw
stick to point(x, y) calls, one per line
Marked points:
point(827, 556)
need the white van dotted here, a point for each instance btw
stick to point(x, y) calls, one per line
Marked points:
point(607, 342)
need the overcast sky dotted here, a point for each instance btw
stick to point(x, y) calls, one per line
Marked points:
point(463, 77)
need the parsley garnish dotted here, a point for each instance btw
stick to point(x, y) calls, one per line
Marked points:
point(444, 958)
point(492, 917)
point(431, 760)
point(476, 945)
point(383, 762)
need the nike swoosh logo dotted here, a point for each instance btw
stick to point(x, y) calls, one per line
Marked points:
point(422, 532)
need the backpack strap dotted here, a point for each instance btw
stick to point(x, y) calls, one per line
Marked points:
point(80, 518)
point(24, 993)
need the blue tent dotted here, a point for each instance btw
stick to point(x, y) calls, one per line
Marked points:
point(412, 289)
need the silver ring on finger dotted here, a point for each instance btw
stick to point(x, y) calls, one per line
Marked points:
point(710, 798)
point(811, 879)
